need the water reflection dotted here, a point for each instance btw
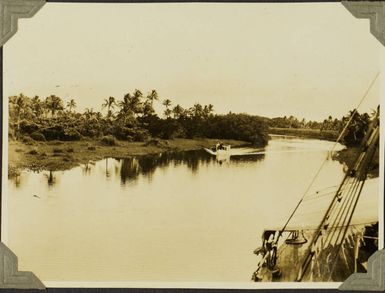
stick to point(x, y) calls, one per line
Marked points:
point(51, 179)
point(87, 167)
point(17, 180)
point(131, 168)
point(107, 171)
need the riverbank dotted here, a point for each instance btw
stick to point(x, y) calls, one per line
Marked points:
point(61, 155)
point(349, 155)
point(346, 156)
point(306, 133)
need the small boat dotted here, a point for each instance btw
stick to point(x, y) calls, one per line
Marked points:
point(219, 151)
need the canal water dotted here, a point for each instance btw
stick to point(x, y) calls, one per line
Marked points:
point(172, 217)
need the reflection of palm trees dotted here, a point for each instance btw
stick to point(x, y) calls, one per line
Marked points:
point(108, 174)
point(146, 165)
point(17, 180)
point(86, 168)
point(131, 168)
point(51, 179)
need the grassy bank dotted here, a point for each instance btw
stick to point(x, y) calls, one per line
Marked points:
point(305, 133)
point(60, 155)
point(349, 155)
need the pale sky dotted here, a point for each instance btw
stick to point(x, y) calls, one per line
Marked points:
point(306, 59)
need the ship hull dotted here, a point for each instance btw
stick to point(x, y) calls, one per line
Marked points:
point(330, 263)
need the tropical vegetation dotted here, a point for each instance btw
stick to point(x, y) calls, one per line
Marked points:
point(329, 128)
point(132, 118)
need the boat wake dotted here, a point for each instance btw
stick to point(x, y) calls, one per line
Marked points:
point(251, 152)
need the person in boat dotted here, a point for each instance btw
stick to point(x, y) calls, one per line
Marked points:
point(217, 146)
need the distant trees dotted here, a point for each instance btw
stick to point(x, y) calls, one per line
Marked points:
point(353, 135)
point(131, 118)
point(134, 118)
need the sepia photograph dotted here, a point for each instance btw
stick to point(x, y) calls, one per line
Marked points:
point(215, 145)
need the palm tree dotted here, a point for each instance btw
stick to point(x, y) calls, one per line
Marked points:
point(148, 106)
point(110, 104)
point(148, 109)
point(177, 111)
point(138, 94)
point(153, 96)
point(54, 104)
point(127, 109)
point(71, 105)
point(19, 108)
point(197, 110)
point(89, 113)
point(37, 106)
point(167, 113)
point(136, 103)
point(208, 110)
point(98, 116)
point(167, 103)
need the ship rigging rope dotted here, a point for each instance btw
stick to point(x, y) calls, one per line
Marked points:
point(348, 199)
point(342, 215)
point(350, 202)
point(324, 162)
point(344, 204)
point(356, 198)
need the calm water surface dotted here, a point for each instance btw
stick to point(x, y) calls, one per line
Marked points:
point(169, 217)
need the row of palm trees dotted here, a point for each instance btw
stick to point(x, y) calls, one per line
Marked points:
point(131, 106)
point(134, 110)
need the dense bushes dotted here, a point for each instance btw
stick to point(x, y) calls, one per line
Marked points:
point(244, 127)
point(38, 136)
point(71, 135)
point(109, 140)
point(27, 127)
point(53, 132)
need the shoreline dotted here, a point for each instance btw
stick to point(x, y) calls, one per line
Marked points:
point(349, 155)
point(64, 155)
point(329, 135)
